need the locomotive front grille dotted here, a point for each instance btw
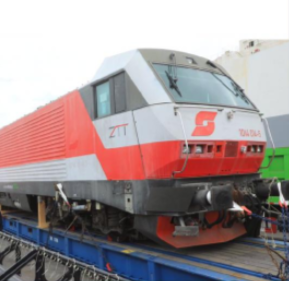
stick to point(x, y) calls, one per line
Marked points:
point(231, 149)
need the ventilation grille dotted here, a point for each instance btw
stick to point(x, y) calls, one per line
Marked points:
point(38, 139)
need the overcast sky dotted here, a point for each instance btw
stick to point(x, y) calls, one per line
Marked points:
point(48, 48)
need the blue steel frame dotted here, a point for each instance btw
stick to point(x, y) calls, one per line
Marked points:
point(131, 264)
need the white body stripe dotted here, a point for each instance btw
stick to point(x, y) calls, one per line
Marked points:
point(84, 168)
point(71, 169)
point(160, 123)
point(146, 81)
point(113, 136)
point(113, 64)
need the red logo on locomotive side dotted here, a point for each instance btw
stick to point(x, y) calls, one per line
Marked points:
point(205, 124)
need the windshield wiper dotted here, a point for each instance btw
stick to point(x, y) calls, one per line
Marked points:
point(173, 84)
point(241, 90)
point(224, 84)
point(236, 86)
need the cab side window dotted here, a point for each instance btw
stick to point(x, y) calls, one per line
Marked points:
point(103, 99)
point(110, 96)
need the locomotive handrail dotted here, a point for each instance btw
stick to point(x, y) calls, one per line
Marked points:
point(186, 142)
point(197, 106)
point(213, 106)
point(272, 142)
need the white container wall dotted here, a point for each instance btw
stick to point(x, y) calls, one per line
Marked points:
point(263, 71)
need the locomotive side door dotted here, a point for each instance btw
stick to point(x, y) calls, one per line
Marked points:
point(120, 157)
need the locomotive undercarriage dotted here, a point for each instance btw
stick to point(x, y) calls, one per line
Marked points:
point(90, 217)
point(189, 209)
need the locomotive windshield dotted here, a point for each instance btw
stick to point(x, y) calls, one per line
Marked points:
point(188, 85)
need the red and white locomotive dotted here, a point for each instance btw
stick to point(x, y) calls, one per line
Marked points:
point(160, 142)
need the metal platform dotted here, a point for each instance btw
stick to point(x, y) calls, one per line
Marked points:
point(243, 259)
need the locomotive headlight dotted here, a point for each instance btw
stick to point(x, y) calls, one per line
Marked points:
point(243, 149)
point(259, 149)
point(253, 149)
point(199, 149)
point(186, 150)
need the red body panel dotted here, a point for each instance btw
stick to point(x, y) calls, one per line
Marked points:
point(217, 234)
point(161, 159)
point(37, 137)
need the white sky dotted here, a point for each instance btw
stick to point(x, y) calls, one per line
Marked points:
point(48, 48)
